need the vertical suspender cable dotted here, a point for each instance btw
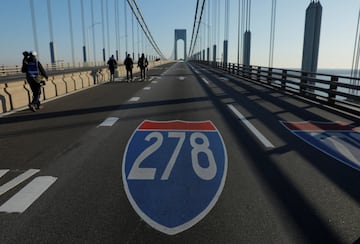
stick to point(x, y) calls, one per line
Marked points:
point(138, 40)
point(272, 33)
point(209, 31)
point(227, 16)
point(108, 27)
point(50, 21)
point(126, 30)
point(132, 35)
point(194, 25)
point(32, 9)
point(242, 31)
point(71, 34)
point(103, 29)
point(238, 43)
point(83, 31)
point(218, 23)
point(214, 25)
point(93, 31)
point(356, 54)
point(116, 9)
point(52, 52)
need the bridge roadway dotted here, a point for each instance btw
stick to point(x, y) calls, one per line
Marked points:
point(285, 191)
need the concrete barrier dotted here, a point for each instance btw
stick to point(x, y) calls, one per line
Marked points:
point(17, 94)
point(77, 81)
point(4, 99)
point(70, 84)
point(60, 85)
point(49, 90)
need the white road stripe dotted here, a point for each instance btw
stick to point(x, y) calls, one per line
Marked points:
point(3, 172)
point(205, 80)
point(255, 131)
point(109, 121)
point(27, 195)
point(134, 99)
point(16, 181)
point(147, 88)
point(154, 82)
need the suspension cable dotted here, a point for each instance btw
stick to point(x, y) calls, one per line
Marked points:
point(272, 33)
point(192, 45)
point(144, 27)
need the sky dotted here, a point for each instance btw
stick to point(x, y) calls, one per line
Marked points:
point(338, 29)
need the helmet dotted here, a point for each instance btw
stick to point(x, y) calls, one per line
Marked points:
point(33, 53)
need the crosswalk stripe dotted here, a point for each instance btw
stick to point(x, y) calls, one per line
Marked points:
point(3, 172)
point(16, 181)
point(27, 195)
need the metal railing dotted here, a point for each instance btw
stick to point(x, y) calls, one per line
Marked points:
point(335, 90)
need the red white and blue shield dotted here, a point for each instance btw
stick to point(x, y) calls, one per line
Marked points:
point(338, 140)
point(174, 172)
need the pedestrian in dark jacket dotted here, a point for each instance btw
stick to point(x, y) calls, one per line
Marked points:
point(112, 66)
point(129, 66)
point(142, 64)
point(35, 75)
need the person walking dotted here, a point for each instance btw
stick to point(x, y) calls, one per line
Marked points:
point(129, 66)
point(143, 63)
point(112, 66)
point(35, 75)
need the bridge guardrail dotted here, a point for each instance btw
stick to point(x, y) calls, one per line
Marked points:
point(335, 90)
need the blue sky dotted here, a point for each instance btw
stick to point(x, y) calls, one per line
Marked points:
point(338, 29)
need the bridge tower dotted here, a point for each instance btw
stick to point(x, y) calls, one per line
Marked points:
point(180, 34)
point(311, 37)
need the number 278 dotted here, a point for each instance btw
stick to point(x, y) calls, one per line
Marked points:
point(199, 143)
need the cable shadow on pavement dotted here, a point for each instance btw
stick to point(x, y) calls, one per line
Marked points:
point(284, 192)
point(28, 115)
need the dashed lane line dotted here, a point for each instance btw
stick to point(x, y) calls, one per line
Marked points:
point(134, 99)
point(109, 122)
point(252, 128)
point(205, 80)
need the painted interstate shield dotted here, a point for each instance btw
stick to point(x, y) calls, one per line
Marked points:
point(337, 139)
point(174, 172)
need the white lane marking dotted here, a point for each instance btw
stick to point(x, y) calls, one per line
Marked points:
point(3, 172)
point(16, 181)
point(27, 195)
point(181, 78)
point(205, 80)
point(109, 121)
point(134, 99)
point(147, 88)
point(223, 78)
point(252, 128)
point(154, 82)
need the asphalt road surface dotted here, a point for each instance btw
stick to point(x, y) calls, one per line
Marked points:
point(191, 155)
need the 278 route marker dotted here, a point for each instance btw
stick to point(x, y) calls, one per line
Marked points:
point(174, 172)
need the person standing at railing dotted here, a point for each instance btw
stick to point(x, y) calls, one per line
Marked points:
point(35, 75)
point(129, 66)
point(112, 66)
point(142, 64)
